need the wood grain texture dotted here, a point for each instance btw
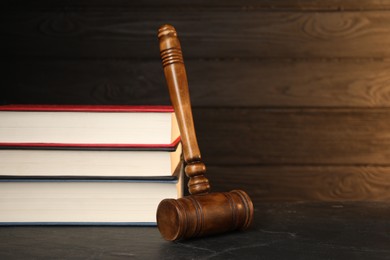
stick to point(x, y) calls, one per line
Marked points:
point(293, 5)
point(246, 34)
point(304, 183)
point(290, 83)
point(262, 83)
point(240, 136)
point(293, 93)
point(84, 82)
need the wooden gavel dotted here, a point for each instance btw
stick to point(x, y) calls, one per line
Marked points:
point(201, 213)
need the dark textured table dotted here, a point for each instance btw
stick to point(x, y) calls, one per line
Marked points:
point(281, 230)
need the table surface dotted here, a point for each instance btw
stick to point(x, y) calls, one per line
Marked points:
point(354, 230)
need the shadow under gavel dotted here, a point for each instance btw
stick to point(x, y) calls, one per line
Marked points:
point(201, 213)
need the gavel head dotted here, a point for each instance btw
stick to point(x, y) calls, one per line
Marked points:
point(204, 214)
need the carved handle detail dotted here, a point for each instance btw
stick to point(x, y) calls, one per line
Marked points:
point(176, 77)
point(170, 56)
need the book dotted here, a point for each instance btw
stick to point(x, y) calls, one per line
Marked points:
point(85, 201)
point(55, 161)
point(80, 165)
point(87, 126)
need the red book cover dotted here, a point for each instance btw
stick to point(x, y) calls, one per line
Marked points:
point(128, 147)
point(87, 108)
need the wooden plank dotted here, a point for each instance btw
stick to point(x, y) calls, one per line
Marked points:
point(335, 5)
point(228, 83)
point(240, 136)
point(294, 83)
point(85, 82)
point(206, 34)
point(300, 183)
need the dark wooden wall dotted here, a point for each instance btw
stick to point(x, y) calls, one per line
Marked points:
point(291, 98)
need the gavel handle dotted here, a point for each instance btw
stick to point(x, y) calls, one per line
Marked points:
point(176, 77)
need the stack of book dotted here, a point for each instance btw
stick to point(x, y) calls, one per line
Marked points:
point(87, 164)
